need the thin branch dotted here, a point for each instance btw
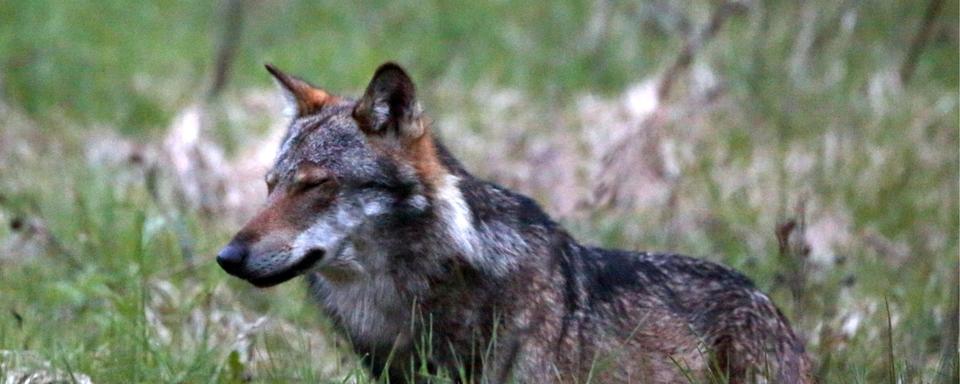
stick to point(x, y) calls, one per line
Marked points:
point(227, 46)
point(694, 45)
point(920, 40)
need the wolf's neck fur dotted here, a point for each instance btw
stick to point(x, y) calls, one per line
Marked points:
point(491, 245)
point(456, 217)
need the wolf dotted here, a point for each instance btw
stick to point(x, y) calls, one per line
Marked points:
point(431, 272)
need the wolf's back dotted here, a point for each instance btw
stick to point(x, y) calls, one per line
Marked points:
point(743, 331)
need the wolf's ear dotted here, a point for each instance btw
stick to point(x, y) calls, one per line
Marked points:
point(301, 97)
point(390, 105)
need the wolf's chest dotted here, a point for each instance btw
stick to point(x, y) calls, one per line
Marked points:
point(369, 309)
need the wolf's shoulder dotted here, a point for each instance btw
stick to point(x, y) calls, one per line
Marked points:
point(666, 275)
point(656, 266)
point(492, 202)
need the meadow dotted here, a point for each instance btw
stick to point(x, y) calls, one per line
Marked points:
point(812, 145)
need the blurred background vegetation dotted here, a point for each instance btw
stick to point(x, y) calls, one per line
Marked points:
point(813, 145)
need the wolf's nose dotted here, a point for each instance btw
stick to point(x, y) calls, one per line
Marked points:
point(231, 258)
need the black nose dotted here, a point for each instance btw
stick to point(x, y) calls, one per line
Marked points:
point(231, 258)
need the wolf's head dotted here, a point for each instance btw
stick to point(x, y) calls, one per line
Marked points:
point(345, 170)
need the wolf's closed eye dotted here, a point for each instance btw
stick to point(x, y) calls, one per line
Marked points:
point(310, 176)
point(304, 185)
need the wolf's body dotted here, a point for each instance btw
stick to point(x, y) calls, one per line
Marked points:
point(424, 267)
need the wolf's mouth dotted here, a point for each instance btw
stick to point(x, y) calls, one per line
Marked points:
point(308, 260)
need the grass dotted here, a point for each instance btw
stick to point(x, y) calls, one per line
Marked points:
point(810, 124)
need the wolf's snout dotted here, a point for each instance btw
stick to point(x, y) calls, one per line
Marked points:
point(232, 257)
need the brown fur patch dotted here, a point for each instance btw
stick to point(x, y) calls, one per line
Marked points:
point(419, 151)
point(422, 153)
point(312, 100)
point(309, 99)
